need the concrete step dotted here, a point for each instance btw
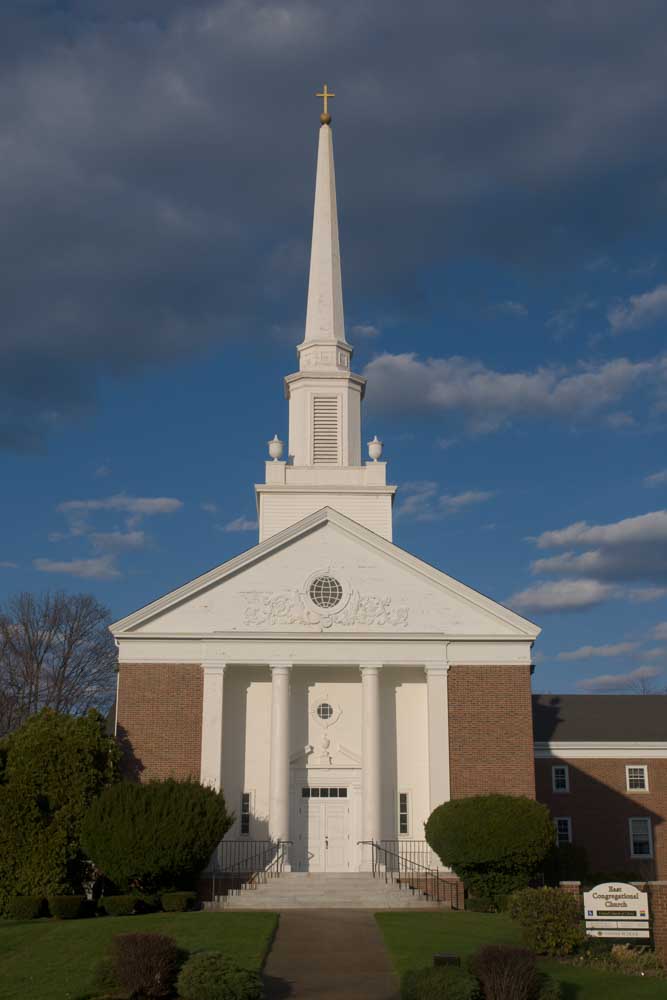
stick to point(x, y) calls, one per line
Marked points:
point(306, 890)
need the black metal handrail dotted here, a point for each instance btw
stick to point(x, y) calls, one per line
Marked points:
point(250, 867)
point(413, 850)
point(431, 882)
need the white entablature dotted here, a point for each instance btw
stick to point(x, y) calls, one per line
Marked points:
point(324, 465)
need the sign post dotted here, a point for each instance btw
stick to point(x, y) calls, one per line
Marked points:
point(616, 910)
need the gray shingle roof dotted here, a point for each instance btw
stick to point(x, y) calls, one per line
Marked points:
point(587, 718)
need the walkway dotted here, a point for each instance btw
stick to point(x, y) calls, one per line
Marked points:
point(329, 955)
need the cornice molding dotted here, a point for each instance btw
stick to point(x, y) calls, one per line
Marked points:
point(598, 750)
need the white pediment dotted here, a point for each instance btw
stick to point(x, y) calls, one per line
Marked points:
point(384, 590)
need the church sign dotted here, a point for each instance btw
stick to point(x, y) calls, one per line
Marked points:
point(616, 910)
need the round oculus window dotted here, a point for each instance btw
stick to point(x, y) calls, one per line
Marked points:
point(324, 711)
point(325, 592)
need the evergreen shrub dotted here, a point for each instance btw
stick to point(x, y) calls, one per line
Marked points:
point(494, 843)
point(480, 904)
point(25, 907)
point(156, 836)
point(565, 862)
point(506, 973)
point(145, 965)
point(178, 902)
point(213, 976)
point(551, 920)
point(118, 906)
point(439, 983)
point(67, 907)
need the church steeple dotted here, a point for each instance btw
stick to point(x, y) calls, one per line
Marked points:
point(324, 466)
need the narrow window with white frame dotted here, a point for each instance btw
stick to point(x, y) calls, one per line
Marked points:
point(245, 814)
point(560, 778)
point(641, 837)
point(563, 825)
point(636, 777)
point(404, 813)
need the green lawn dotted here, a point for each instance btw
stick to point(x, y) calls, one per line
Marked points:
point(413, 939)
point(56, 959)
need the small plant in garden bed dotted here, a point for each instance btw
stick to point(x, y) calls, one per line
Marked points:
point(25, 907)
point(511, 974)
point(68, 907)
point(178, 902)
point(633, 960)
point(118, 906)
point(145, 965)
point(550, 919)
point(213, 976)
point(440, 984)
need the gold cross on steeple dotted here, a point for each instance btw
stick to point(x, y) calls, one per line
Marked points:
point(325, 117)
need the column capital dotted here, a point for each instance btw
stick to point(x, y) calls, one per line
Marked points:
point(214, 666)
point(370, 668)
point(436, 667)
point(280, 667)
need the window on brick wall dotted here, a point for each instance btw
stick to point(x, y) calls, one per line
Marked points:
point(560, 778)
point(641, 837)
point(563, 825)
point(245, 814)
point(636, 777)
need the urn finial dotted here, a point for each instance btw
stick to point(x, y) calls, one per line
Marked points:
point(276, 448)
point(375, 448)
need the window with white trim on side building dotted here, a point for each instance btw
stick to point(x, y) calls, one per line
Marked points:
point(636, 777)
point(641, 837)
point(560, 778)
point(563, 826)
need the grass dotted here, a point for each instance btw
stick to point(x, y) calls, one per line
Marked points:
point(56, 959)
point(413, 939)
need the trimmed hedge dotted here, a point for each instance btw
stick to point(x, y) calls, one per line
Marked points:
point(178, 902)
point(67, 907)
point(445, 983)
point(495, 843)
point(213, 976)
point(551, 920)
point(145, 965)
point(118, 906)
point(25, 907)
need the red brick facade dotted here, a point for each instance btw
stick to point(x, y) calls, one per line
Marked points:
point(490, 730)
point(600, 807)
point(159, 719)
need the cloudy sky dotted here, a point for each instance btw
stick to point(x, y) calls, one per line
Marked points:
point(502, 183)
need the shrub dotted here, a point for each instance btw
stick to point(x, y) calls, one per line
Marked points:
point(25, 907)
point(147, 903)
point(212, 976)
point(565, 862)
point(551, 920)
point(506, 973)
point(440, 983)
point(67, 907)
point(118, 906)
point(495, 843)
point(480, 904)
point(145, 964)
point(155, 836)
point(178, 902)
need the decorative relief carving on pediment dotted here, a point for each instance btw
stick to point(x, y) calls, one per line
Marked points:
point(266, 609)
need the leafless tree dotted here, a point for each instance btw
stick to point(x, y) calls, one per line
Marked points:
point(55, 652)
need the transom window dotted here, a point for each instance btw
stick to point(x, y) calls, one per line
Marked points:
point(563, 826)
point(560, 778)
point(641, 837)
point(636, 777)
point(323, 793)
point(324, 711)
point(325, 592)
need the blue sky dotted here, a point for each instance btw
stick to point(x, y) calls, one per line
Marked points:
point(502, 185)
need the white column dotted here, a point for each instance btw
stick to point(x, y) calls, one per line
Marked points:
point(370, 752)
point(438, 733)
point(211, 724)
point(279, 763)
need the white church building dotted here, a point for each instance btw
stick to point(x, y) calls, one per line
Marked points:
point(334, 686)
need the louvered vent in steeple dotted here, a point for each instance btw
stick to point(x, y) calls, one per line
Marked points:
point(326, 436)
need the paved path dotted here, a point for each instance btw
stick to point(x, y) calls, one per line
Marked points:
point(329, 955)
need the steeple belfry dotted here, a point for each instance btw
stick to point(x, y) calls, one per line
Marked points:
point(324, 466)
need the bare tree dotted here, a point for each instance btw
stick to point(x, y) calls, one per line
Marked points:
point(55, 652)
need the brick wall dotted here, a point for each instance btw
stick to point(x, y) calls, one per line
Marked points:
point(490, 730)
point(159, 719)
point(657, 898)
point(600, 807)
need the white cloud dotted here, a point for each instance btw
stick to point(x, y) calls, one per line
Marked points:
point(364, 330)
point(564, 595)
point(118, 541)
point(99, 568)
point(422, 501)
point(639, 310)
point(588, 652)
point(642, 595)
point(102, 471)
point(489, 399)
point(651, 527)
point(659, 653)
point(656, 478)
point(121, 502)
point(637, 679)
point(511, 308)
point(240, 524)
point(660, 631)
point(7, 564)
point(210, 508)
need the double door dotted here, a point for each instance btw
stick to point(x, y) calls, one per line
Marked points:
point(324, 829)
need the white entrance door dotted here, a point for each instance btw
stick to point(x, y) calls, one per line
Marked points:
point(324, 829)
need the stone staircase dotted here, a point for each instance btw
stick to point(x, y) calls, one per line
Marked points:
point(310, 890)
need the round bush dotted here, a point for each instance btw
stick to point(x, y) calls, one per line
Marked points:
point(66, 907)
point(495, 843)
point(213, 976)
point(551, 920)
point(145, 965)
point(439, 984)
point(25, 907)
point(178, 902)
point(118, 906)
point(506, 973)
